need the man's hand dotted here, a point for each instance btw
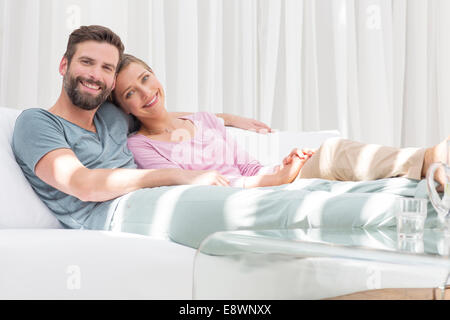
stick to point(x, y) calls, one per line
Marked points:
point(232, 120)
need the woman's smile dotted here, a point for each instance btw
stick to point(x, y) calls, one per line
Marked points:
point(152, 101)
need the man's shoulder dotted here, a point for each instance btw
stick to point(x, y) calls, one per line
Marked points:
point(36, 131)
point(32, 112)
point(34, 117)
point(113, 114)
point(110, 109)
point(33, 123)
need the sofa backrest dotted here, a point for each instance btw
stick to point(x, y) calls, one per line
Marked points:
point(270, 149)
point(20, 206)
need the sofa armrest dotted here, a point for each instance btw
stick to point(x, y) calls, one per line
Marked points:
point(82, 264)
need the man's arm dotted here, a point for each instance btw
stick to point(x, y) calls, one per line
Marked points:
point(62, 170)
point(231, 120)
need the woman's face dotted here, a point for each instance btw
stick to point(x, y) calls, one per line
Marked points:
point(138, 91)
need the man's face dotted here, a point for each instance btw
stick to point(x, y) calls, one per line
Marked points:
point(90, 77)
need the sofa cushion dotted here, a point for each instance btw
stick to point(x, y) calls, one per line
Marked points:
point(21, 207)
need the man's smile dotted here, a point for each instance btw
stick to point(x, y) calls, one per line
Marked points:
point(91, 86)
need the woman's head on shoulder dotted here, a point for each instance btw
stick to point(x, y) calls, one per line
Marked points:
point(137, 91)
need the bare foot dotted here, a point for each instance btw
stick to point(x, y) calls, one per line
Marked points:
point(438, 153)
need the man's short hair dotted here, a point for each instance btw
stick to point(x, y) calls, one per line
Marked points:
point(94, 33)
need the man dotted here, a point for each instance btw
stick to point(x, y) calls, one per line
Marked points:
point(74, 154)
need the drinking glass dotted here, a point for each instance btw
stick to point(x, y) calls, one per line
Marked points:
point(411, 214)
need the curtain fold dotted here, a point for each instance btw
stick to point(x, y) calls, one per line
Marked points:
point(376, 70)
point(210, 56)
point(443, 67)
point(290, 99)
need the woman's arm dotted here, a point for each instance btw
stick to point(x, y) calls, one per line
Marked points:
point(231, 120)
point(284, 173)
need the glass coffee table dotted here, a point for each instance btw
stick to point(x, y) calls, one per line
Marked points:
point(322, 264)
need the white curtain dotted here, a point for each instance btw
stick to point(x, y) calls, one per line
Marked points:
point(376, 70)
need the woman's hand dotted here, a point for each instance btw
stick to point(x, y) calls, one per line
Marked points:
point(292, 164)
point(283, 174)
point(304, 153)
point(244, 123)
point(202, 177)
point(286, 173)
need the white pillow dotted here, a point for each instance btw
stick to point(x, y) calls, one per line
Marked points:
point(20, 206)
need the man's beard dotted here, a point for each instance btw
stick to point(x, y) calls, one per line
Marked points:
point(83, 100)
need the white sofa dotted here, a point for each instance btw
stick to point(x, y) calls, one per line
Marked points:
point(41, 260)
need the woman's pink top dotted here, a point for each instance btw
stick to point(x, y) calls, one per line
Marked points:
point(211, 148)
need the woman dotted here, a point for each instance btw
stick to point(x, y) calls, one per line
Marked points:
point(153, 145)
point(199, 142)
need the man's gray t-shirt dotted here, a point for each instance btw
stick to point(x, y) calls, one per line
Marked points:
point(37, 132)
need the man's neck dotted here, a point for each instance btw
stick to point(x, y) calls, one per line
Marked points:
point(65, 109)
